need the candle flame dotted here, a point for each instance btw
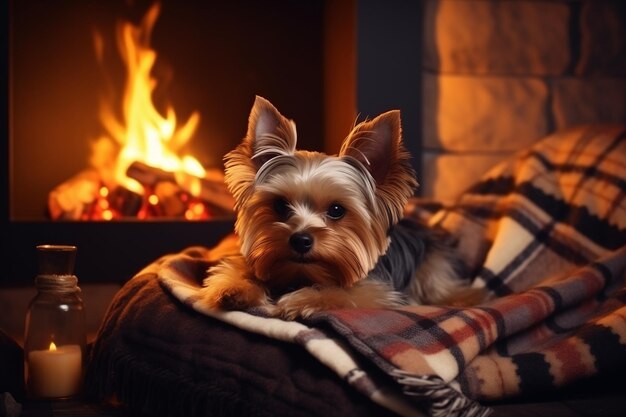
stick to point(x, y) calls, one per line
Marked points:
point(52, 346)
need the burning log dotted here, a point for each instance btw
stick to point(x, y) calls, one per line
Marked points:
point(147, 175)
point(210, 189)
point(125, 202)
point(167, 194)
point(74, 197)
point(169, 197)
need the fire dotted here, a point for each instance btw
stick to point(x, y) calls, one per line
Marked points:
point(52, 347)
point(144, 135)
point(137, 167)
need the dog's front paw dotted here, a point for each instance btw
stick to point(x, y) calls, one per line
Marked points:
point(307, 301)
point(232, 288)
point(301, 303)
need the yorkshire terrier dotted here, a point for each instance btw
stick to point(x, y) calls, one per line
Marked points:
point(318, 232)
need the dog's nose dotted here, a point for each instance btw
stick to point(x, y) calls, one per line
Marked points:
point(301, 242)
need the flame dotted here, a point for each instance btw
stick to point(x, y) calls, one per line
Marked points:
point(144, 135)
point(53, 347)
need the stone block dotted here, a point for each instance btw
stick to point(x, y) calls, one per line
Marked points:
point(446, 176)
point(496, 37)
point(602, 38)
point(464, 113)
point(588, 100)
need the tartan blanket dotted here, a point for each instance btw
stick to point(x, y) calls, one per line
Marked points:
point(545, 232)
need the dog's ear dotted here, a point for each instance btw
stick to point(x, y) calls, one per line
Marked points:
point(269, 132)
point(377, 144)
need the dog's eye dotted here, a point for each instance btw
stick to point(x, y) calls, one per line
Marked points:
point(281, 207)
point(335, 211)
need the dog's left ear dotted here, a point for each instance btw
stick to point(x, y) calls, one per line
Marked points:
point(377, 144)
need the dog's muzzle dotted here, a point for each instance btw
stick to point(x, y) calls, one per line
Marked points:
point(301, 242)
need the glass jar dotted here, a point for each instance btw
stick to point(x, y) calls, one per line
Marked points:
point(55, 337)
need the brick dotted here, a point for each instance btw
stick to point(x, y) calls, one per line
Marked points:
point(464, 113)
point(496, 37)
point(446, 176)
point(588, 100)
point(602, 39)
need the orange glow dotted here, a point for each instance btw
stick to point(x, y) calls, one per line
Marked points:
point(197, 211)
point(153, 199)
point(144, 135)
point(107, 215)
point(52, 347)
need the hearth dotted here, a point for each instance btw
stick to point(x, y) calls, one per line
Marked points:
point(212, 59)
point(74, 92)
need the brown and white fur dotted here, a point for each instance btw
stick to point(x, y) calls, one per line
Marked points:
point(318, 232)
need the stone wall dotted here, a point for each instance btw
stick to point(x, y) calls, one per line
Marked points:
point(500, 74)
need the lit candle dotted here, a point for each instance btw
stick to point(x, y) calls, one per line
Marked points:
point(56, 372)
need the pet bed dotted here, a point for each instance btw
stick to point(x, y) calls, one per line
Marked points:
point(545, 232)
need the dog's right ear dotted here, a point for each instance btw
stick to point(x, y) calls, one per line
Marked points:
point(269, 134)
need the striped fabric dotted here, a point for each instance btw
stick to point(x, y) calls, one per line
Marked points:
point(546, 233)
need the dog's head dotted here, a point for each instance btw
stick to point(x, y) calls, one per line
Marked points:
point(310, 218)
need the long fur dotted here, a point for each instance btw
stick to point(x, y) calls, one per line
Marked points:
point(321, 231)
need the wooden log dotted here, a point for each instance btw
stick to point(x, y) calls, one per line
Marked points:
point(211, 188)
point(125, 202)
point(148, 175)
point(168, 194)
point(70, 199)
point(79, 196)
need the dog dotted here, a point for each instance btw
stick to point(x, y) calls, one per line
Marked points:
point(316, 232)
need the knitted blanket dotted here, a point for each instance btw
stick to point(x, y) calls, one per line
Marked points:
point(545, 232)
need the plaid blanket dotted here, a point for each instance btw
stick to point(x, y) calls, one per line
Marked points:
point(545, 232)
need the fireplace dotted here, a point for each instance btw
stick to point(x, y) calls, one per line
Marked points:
point(211, 60)
point(213, 57)
point(476, 81)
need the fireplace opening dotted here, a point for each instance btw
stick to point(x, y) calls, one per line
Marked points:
point(70, 94)
point(475, 82)
point(89, 82)
point(139, 167)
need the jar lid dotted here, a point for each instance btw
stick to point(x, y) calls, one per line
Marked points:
point(56, 259)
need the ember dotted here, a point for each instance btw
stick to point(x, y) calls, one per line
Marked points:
point(137, 170)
